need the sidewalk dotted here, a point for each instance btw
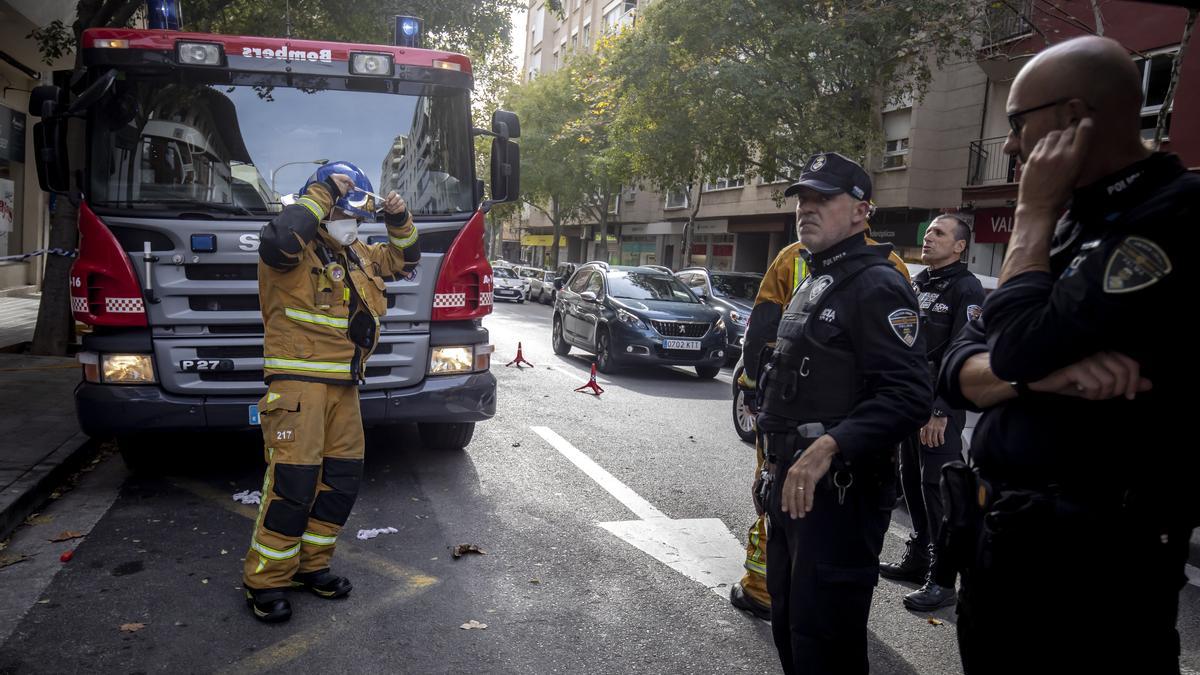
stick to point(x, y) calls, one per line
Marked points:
point(40, 441)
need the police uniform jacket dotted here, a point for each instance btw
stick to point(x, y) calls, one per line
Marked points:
point(850, 355)
point(949, 297)
point(1120, 281)
point(783, 276)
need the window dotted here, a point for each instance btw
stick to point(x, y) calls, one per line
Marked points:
point(579, 281)
point(895, 154)
point(587, 34)
point(1155, 80)
point(574, 40)
point(725, 183)
point(620, 15)
point(557, 59)
point(677, 198)
point(640, 286)
point(596, 284)
point(539, 17)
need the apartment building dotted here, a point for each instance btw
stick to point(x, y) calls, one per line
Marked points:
point(942, 153)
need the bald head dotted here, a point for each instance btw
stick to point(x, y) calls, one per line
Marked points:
point(1095, 69)
point(1088, 77)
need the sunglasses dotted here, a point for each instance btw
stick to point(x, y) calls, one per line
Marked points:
point(1016, 120)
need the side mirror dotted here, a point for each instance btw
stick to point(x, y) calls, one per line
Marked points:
point(42, 95)
point(506, 171)
point(506, 125)
point(558, 283)
point(588, 295)
point(50, 154)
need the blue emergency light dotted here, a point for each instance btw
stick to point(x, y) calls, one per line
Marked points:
point(163, 14)
point(204, 243)
point(408, 31)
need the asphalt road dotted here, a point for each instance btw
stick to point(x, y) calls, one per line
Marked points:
point(566, 493)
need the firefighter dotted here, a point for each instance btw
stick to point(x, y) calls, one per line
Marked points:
point(783, 276)
point(322, 292)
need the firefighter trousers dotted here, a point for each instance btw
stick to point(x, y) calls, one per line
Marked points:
point(754, 581)
point(313, 439)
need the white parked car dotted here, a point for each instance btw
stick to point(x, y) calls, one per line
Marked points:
point(507, 285)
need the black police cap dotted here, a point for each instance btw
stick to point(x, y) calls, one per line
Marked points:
point(830, 173)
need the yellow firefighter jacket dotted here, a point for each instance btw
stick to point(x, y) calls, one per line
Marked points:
point(321, 301)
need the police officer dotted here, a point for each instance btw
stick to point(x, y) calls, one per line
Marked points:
point(322, 292)
point(786, 272)
point(848, 379)
point(949, 296)
point(1084, 468)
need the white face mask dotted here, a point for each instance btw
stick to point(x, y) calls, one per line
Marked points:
point(343, 231)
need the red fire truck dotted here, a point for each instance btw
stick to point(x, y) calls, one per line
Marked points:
point(193, 142)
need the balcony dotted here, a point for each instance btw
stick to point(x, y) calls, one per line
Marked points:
point(988, 165)
point(1007, 21)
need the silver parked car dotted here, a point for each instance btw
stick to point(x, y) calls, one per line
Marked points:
point(541, 287)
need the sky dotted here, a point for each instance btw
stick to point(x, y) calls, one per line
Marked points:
point(519, 30)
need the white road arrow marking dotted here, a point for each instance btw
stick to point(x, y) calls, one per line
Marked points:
point(702, 549)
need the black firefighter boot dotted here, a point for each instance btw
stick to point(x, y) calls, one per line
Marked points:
point(324, 583)
point(268, 604)
point(913, 566)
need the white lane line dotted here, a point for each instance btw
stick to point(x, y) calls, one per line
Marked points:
point(632, 500)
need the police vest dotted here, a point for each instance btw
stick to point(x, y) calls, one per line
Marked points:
point(807, 380)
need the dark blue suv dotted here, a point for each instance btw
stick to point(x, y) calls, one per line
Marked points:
point(637, 315)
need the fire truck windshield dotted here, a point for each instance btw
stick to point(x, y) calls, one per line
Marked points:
point(174, 145)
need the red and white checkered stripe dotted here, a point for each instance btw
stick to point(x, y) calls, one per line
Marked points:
point(124, 305)
point(485, 298)
point(449, 299)
point(79, 304)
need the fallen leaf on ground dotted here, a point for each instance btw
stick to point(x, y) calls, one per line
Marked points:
point(472, 624)
point(12, 559)
point(204, 581)
point(39, 519)
point(463, 549)
point(935, 622)
point(224, 552)
point(66, 556)
point(132, 627)
point(534, 581)
point(67, 535)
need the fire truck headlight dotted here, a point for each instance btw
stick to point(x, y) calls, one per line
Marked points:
point(449, 360)
point(127, 368)
point(371, 64)
point(199, 53)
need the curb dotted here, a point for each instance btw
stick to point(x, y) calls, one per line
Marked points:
point(32, 489)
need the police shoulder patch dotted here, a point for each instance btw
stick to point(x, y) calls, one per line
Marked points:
point(974, 312)
point(905, 324)
point(1136, 263)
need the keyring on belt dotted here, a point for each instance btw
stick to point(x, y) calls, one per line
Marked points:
point(841, 489)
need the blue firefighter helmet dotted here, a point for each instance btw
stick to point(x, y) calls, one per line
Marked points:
point(358, 202)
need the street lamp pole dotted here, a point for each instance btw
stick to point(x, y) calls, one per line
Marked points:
point(319, 162)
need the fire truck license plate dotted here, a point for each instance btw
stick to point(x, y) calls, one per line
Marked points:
point(681, 344)
point(195, 365)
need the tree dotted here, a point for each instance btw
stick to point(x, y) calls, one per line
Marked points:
point(572, 168)
point(794, 77)
point(549, 181)
point(479, 28)
point(677, 130)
